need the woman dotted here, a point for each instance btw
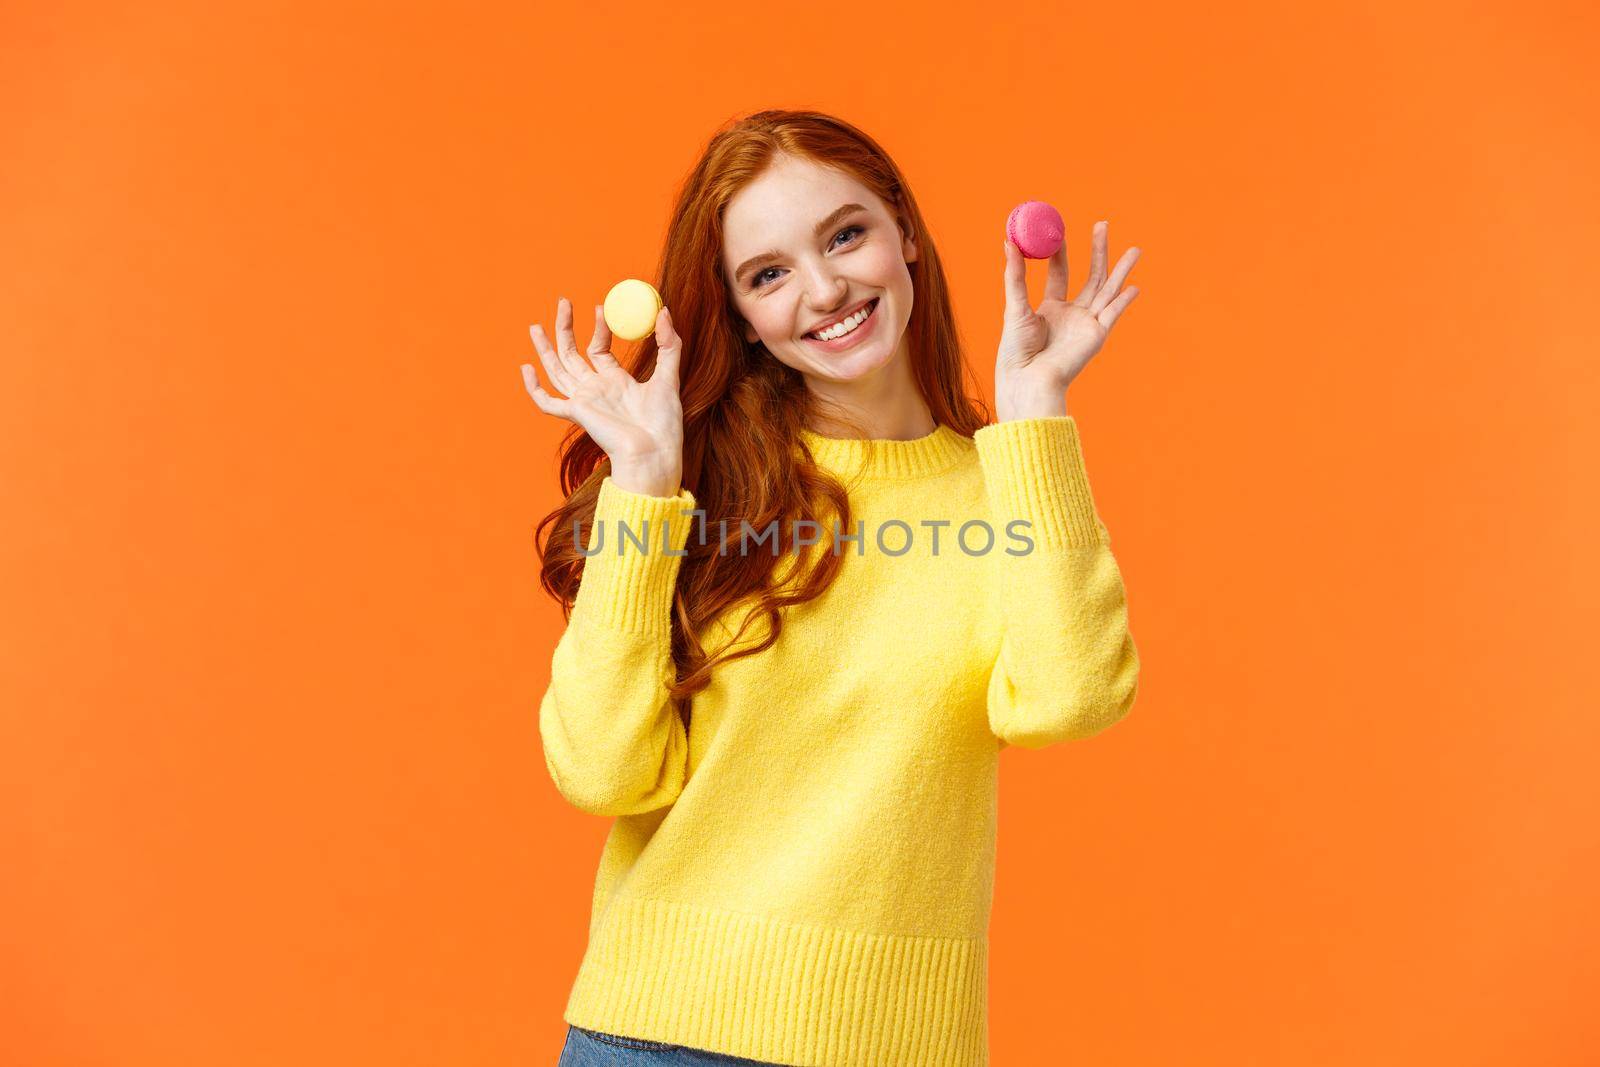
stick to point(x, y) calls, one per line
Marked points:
point(800, 871)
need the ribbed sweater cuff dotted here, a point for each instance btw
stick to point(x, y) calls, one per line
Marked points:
point(623, 586)
point(1033, 469)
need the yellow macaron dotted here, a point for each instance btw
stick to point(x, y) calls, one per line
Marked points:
point(631, 309)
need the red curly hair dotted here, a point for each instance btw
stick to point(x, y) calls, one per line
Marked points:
point(743, 410)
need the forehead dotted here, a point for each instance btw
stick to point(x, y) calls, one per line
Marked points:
point(780, 206)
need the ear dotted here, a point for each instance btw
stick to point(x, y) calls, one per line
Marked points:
point(750, 333)
point(908, 244)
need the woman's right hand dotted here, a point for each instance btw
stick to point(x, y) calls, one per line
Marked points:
point(639, 424)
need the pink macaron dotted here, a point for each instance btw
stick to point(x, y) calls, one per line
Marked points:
point(1036, 228)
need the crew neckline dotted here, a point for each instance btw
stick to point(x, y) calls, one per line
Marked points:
point(888, 457)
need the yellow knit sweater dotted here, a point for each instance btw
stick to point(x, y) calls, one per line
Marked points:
point(806, 876)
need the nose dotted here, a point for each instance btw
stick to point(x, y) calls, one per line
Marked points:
point(825, 291)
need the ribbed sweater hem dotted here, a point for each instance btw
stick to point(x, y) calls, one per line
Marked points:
point(810, 996)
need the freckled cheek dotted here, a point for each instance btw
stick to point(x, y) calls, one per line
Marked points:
point(889, 267)
point(778, 320)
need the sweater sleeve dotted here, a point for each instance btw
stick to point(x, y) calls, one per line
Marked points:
point(1067, 667)
point(614, 742)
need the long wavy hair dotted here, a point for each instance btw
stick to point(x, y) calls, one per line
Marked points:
point(744, 458)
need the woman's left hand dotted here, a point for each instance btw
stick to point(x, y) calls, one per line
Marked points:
point(1042, 351)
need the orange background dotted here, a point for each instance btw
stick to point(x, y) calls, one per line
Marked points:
point(273, 643)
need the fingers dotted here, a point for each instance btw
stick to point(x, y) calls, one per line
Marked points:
point(567, 341)
point(562, 361)
point(1097, 267)
point(548, 404)
point(1108, 317)
point(552, 362)
point(669, 350)
point(1109, 289)
point(1017, 305)
point(600, 344)
point(1055, 282)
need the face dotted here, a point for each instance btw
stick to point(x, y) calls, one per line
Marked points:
point(798, 258)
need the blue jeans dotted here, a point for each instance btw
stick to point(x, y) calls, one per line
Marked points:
point(590, 1048)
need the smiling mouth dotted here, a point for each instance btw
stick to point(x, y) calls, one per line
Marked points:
point(865, 312)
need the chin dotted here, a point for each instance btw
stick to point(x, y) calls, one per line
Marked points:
point(849, 366)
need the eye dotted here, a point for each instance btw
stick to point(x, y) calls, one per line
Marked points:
point(757, 280)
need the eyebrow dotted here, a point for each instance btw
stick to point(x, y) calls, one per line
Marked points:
point(818, 230)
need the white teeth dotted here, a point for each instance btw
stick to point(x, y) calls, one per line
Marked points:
point(839, 329)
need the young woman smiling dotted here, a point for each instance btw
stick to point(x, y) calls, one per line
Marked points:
point(801, 871)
